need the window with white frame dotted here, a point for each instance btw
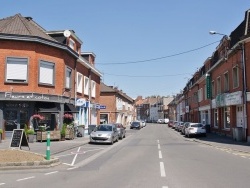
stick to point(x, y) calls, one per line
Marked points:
point(47, 73)
point(79, 82)
point(213, 88)
point(86, 85)
point(226, 117)
point(93, 88)
point(17, 69)
point(71, 44)
point(200, 93)
point(216, 118)
point(218, 85)
point(68, 78)
point(226, 82)
point(235, 77)
point(205, 91)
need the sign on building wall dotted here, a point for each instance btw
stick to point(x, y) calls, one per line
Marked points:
point(208, 85)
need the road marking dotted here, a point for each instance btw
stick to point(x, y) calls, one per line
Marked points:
point(26, 178)
point(243, 156)
point(160, 155)
point(159, 146)
point(162, 169)
point(73, 162)
point(158, 141)
point(50, 173)
point(67, 164)
point(2, 184)
point(164, 186)
point(71, 168)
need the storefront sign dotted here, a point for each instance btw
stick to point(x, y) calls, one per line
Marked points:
point(17, 96)
point(208, 86)
point(102, 107)
point(233, 98)
point(80, 102)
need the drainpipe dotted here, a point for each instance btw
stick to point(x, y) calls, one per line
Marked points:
point(244, 91)
point(89, 97)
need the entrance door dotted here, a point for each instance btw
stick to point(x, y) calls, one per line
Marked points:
point(11, 122)
point(23, 118)
point(239, 116)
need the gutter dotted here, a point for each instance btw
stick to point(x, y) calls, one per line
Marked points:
point(39, 40)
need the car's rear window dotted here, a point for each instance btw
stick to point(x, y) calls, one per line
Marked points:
point(196, 125)
point(104, 128)
point(135, 123)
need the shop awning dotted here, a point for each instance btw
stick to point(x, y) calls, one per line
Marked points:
point(70, 108)
point(46, 107)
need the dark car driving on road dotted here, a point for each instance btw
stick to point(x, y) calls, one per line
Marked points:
point(135, 125)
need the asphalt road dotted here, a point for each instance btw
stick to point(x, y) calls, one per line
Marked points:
point(153, 157)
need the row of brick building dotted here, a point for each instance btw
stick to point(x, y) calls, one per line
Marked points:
point(218, 94)
point(46, 73)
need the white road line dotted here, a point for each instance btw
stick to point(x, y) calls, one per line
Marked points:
point(26, 178)
point(71, 168)
point(2, 184)
point(50, 173)
point(159, 146)
point(162, 169)
point(158, 141)
point(164, 186)
point(73, 162)
point(160, 155)
point(243, 156)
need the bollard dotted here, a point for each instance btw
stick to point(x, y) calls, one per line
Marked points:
point(48, 146)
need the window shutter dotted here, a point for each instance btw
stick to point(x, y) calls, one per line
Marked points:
point(47, 73)
point(17, 69)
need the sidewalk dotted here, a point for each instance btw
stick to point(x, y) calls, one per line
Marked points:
point(222, 141)
point(55, 146)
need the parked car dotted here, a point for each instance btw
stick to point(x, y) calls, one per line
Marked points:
point(104, 133)
point(185, 125)
point(143, 123)
point(171, 123)
point(195, 129)
point(175, 124)
point(180, 125)
point(135, 125)
point(121, 130)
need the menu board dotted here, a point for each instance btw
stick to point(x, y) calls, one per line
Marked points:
point(18, 139)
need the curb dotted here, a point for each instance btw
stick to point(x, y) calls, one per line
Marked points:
point(29, 164)
point(214, 145)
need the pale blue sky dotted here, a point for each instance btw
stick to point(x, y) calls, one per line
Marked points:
point(123, 34)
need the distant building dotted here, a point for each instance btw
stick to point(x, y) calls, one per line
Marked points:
point(116, 106)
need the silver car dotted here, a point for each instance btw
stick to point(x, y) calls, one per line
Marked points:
point(104, 133)
point(195, 129)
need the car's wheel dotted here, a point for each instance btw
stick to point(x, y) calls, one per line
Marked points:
point(121, 137)
point(124, 136)
point(112, 142)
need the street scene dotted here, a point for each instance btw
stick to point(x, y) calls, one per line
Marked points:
point(125, 94)
point(162, 159)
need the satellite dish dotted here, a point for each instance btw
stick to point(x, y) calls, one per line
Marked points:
point(66, 33)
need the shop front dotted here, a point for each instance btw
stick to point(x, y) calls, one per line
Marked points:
point(20, 109)
point(228, 112)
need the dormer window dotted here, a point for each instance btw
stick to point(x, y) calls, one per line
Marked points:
point(72, 44)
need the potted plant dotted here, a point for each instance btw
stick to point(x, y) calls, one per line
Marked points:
point(63, 132)
point(30, 135)
point(1, 132)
